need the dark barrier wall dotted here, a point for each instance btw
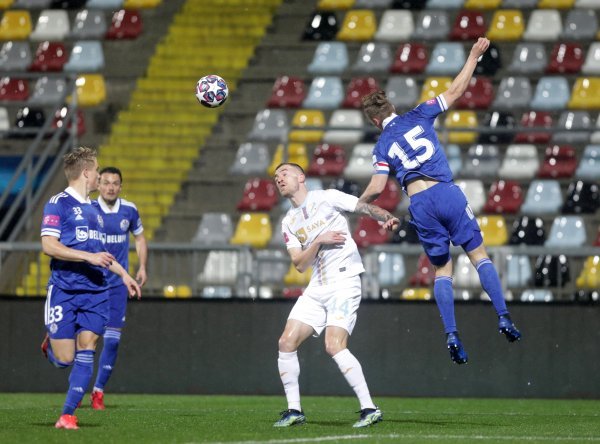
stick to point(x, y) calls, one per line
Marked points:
point(230, 347)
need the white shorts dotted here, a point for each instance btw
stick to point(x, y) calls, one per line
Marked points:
point(329, 305)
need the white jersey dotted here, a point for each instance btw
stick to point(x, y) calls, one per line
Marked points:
point(322, 211)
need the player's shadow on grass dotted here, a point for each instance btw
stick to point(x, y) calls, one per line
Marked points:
point(51, 425)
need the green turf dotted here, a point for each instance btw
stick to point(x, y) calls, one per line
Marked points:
point(28, 418)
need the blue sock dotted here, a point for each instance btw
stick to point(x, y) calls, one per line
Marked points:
point(55, 362)
point(488, 276)
point(79, 379)
point(108, 357)
point(444, 296)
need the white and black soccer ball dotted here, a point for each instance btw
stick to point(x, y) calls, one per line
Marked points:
point(212, 91)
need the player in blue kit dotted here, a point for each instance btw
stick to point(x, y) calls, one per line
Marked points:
point(121, 217)
point(409, 148)
point(77, 305)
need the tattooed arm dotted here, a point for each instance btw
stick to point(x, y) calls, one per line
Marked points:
point(390, 222)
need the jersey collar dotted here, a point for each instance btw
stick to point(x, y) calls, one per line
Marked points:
point(106, 208)
point(78, 197)
point(388, 120)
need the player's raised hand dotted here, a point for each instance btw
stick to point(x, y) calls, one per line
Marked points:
point(479, 47)
point(332, 238)
point(102, 259)
point(392, 224)
point(132, 286)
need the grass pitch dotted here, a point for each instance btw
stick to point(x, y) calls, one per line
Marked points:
point(29, 418)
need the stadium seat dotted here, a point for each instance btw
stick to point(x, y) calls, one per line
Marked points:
point(369, 232)
point(543, 197)
point(253, 229)
point(416, 294)
point(287, 92)
point(408, 4)
point(221, 267)
point(15, 56)
point(132, 4)
point(520, 162)
point(360, 163)
point(313, 119)
point(566, 231)
point(518, 271)
point(125, 24)
point(59, 120)
point(91, 90)
point(432, 25)
point(321, 25)
point(13, 89)
point(216, 292)
point(444, 4)
point(425, 274)
point(505, 197)
point(543, 25)
point(528, 58)
point(86, 56)
point(67, 4)
point(500, 124)
point(402, 91)
point(252, 158)
point(582, 198)
point(528, 230)
point(269, 125)
point(359, 25)
point(592, 60)
point(560, 161)
point(329, 58)
point(552, 271)
point(566, 58)
point(4, 120)
point(589, 165)
point(506, 25)
point(410, 58)
point(357, 88)
point(465, 274)
point(52, 24)
point(327, 160)
point(49, 56)
point(535, 119)
point(482, 4)
point(586, 93)
point(513, 92)
point(390, 196)
point(580, 24)
point(28, 121)
point(433, 87)
point(406, 232)
point(294, 152)
point(15, 25)
point(447, 58)
point(478, 95)
point(372, 4)
point(468, 25)
point(395, 26)
point(587, 4)
point(373, 57)
point(324, 93)
point(214, 229)
point(595, 136)
point(332, 5)
point(461, 119)
point(346, 127)
point(589, 278)
point(490, 62)
point(454, 156)
point(48, 91)
point(537, 295)
point(390, 268)
point(475, 193)
point(482, 161)
point(573, 127)
point(557, 4)
point(493, 230)
point(89, 24)
point(295, 278)
point(551, 93)
point(346, 186)
point(272, 266)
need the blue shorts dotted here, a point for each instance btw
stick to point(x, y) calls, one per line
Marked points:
point(118, 306)
point(441, 214)
point(67, 313)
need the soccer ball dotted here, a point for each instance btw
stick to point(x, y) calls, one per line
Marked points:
point(212, 91)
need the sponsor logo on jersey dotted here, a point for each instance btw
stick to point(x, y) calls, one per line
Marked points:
point(124, 225)
point(286, 237)
point(53, 328)
point(431, 102)
point(116, 238)
point(52, 220)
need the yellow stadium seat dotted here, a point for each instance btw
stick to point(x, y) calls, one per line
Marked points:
point(433, 87)
point(482, 4)
point(330, 5)
point(91, 90)
point(296, 153)
point(586, 93)
point(493, 230)
point(294, 278)
point(15, 25)
point(307, 118)
point(416, 294)
point(555, 4)
point(461, 119)
point(136, 4)
point(359, 25)
point(5, 4)
point(253, 229)
point(589, 278)
point(507, 25)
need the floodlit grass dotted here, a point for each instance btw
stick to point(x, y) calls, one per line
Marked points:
point(26, 418)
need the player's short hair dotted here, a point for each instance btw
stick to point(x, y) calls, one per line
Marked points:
point(76, 160)
point(112, 170)
point(292, 164)
point(377, 105)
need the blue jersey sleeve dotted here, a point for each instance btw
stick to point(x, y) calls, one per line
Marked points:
point(432, 108)
point(52, 220)
point(135, 222)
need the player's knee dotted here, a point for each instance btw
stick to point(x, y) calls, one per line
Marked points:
point(287, 344)
point(333, 346)
point(63, 360)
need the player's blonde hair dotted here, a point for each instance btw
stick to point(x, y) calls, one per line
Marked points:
point(376, 105)
point(76, 160)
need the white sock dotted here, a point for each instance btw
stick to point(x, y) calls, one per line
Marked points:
point(352, 371)
point(289, 371)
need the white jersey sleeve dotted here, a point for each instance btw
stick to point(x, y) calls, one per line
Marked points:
point(341, 201)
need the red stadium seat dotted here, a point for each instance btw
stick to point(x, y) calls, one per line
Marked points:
point(359, 87)
point(479, 94)
point(533, 119)
point(410, 58)
point(469, 25)
point(259, 195)
point(49, 56)
point(327, 160)
point(292, 292)
point(369, 232)
point(12, 89)
point(425, 274)
point(60, 114)
point(125, 24)
point(505, 196)
point(288, 92)
point(560, 162)
point(390, 196)
point(566, 58)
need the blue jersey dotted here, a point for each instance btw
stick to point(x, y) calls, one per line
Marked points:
point(409, 147)
point(79, 225)
point(119, 221)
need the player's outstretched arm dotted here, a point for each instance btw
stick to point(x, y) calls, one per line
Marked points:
point(374, 189)
point(55, 249)
point(132, 286)
point(390, 222)
point(461, 81)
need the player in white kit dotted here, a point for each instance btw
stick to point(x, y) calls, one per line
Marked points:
point(316, 234)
